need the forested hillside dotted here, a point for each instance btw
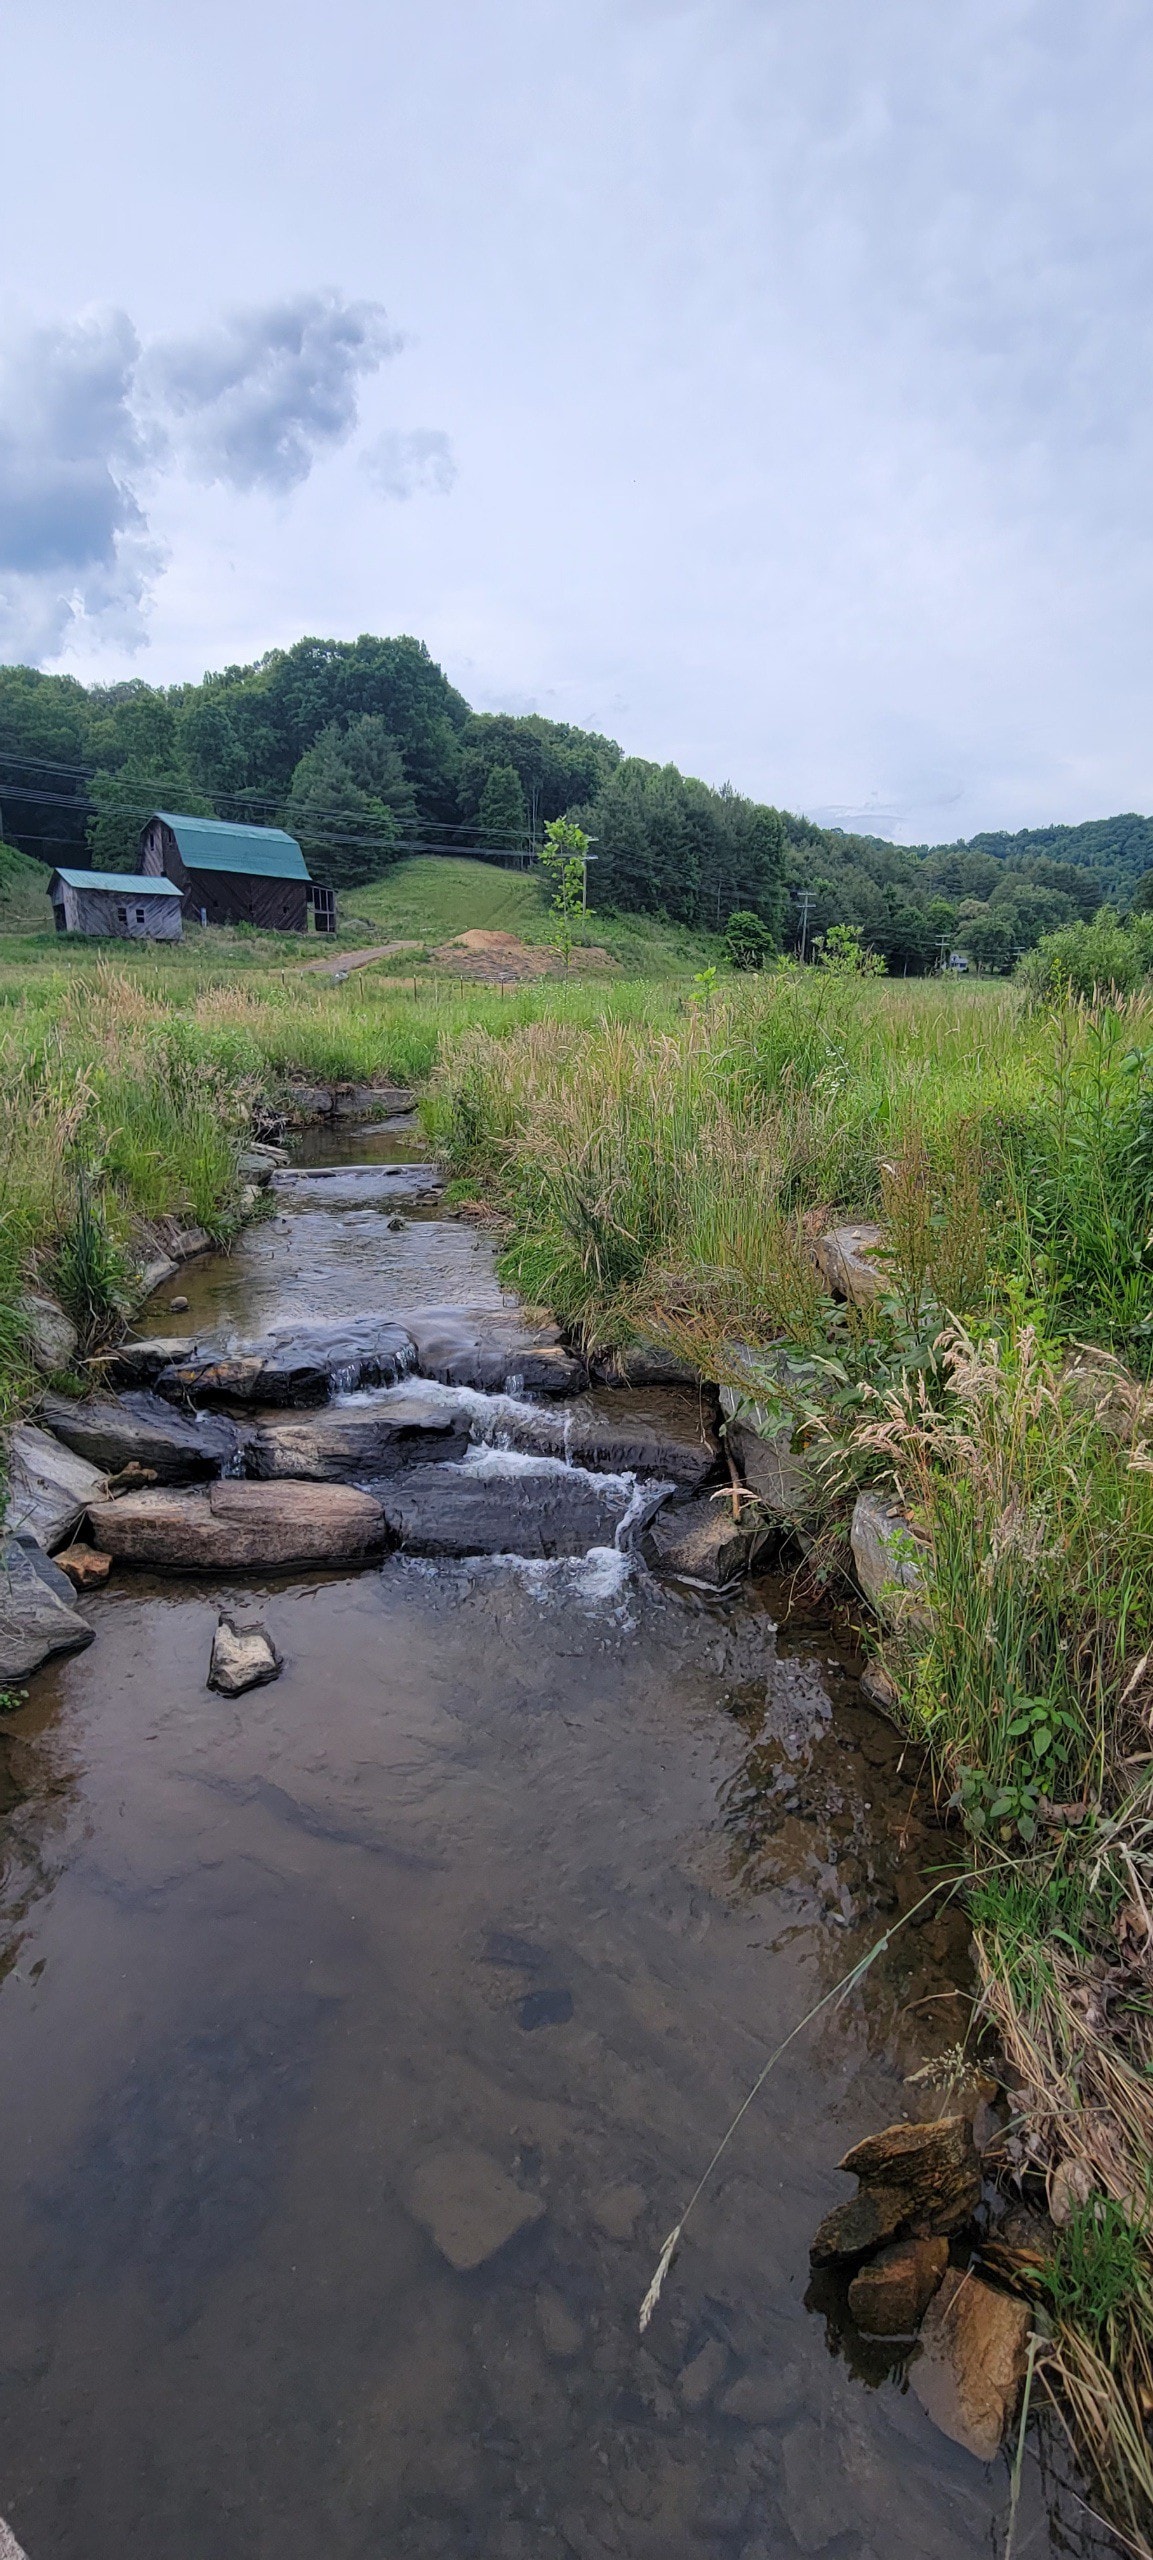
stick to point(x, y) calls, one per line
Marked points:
point(366, 752)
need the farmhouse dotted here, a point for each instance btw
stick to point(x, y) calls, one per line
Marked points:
point(114, 902)
point(228, 874)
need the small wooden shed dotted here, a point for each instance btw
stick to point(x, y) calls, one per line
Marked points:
point(229, 874)
point(117, 903)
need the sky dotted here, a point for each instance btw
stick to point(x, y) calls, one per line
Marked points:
point(766, 383)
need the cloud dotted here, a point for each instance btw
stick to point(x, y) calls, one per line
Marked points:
point(254, 401)
point(407, 465)
point(75, 546)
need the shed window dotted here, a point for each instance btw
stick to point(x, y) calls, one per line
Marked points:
point(122, 915)
point(140, 915)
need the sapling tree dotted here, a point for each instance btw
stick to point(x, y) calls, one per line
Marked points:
point(563, 855)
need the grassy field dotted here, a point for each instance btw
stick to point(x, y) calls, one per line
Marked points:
point(661, 1153)
point(425, 900)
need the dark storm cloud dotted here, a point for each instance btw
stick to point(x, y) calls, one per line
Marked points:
point(256, 399)
point(73, 536)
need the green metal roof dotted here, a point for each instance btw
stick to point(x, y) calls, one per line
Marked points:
point(124, 882)
point(214, 844)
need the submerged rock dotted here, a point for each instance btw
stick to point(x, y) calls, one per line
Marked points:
point(232, 1527)
point(887, 2297)
point(242, 1658)
point(886, 1559)
point(139, 1430)
point(468, 2206)
point(295, 1365)
point(477, 1511)
point(37, 1618)
point(972, 2361)
point(702, 1541)
point(49, 1488)
point(51, 1336)
point(340, 1445)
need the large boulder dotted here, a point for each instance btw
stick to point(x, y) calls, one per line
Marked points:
point(760, 1426)
point(972, 2361)
point(295, 1364)
point(49, 1488)
point(887, 1560)
point(51, 1336)
point(139, 1430)
point(503, 1510)
point(37, 1617)
point(701, 1542)
point(851, 1262)
point(343, 1443)
point(235, 1528)
point(645, 1364)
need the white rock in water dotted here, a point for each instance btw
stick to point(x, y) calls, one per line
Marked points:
point(468, 2206)
point(52, 1336)
point(242, 1658)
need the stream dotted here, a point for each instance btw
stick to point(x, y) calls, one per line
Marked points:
point(361, 2039)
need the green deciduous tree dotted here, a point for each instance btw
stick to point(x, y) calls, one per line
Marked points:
point(563, 855)
point(748, 942)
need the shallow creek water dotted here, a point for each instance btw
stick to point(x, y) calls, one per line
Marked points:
point(489, 1910)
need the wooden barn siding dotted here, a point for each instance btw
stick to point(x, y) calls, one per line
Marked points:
point(227, 897)
point(98, 911)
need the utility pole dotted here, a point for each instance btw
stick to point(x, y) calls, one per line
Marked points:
point(588, 857)
point(806, 903)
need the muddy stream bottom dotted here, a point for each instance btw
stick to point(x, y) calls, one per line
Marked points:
point(361, 2039)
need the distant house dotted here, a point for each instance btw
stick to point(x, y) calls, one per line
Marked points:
point(115, 902)
point(233, 875)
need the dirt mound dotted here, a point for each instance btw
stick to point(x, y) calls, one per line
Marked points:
point(489, 957)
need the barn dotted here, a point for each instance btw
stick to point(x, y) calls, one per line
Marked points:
point(115, 902)
point(229, 874)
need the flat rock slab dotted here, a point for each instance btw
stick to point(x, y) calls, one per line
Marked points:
point(49, 1488)
point(232, 1528)
point(140, 1430)
point(972, 2361)
point(467, 1511)
point(702, 1541)
point(468, 2206)
point(242, 1658)
point(295, 1365)
point(660, 1433)
point(340, 1445)
point(496, 1352)
point(37, 1618)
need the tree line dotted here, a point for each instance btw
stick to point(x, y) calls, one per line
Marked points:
point(365, 751)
